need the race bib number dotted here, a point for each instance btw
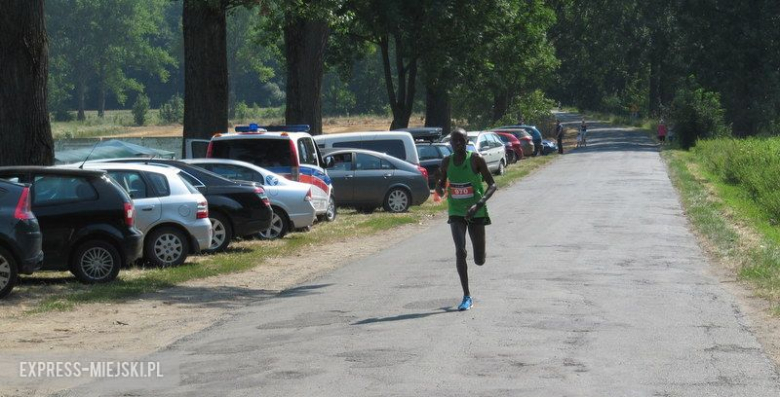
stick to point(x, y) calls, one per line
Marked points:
point(461, 190)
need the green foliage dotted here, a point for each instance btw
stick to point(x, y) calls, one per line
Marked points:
point(337, 99)
point(99, 42)
point(753, 164)
point(173, 110)
point(140, 108)
point(535, 108)
point(696, 113)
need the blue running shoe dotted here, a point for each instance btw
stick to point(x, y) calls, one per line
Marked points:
point(466, 304)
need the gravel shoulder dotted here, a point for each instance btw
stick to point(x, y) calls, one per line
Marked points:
point(153, 321)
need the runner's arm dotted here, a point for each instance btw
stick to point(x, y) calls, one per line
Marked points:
point(488, 178)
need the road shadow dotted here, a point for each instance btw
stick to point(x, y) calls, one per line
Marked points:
point(410, 316)
point(611, 139)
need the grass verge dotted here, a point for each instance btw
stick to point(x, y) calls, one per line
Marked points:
point(60, 292)
point(731, 223)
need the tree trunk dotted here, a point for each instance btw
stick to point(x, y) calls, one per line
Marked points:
point(438, 110)
point(25, 132)
point(305, 41)
point(400, 104)
point(102, 98)
point(205, 70)
point(81, 92)
point(500, 104)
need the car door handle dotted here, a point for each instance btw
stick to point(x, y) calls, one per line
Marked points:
point(147, 208)
point(387, 175)
point(349, 176)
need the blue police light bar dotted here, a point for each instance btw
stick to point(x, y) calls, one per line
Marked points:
point(286, 128)
point(247, 128)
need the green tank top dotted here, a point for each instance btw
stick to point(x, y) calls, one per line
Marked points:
point(465, 188)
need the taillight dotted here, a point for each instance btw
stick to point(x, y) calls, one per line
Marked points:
point(129, 214)
point(203, 210)
point(23, 208)
point(210, 149)
point(295, 169)
point(423, 171)
point(260, 192)
point(308, 196)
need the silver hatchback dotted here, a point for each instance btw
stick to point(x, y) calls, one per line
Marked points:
point(171, 212)
point(291, 201)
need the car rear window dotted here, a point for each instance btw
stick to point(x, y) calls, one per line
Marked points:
point(51, 189)
point(426, 152)
point(132, 182)
point(261, 152)
point(393, 147)
point(188, 185)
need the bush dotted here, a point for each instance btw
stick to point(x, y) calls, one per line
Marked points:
point(751, 164)
point(534, 108)
point(140, 108)
point(695, 114)
point(173, 110)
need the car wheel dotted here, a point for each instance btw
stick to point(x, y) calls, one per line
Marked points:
point(96, 261)
point(166, 246)
point(279, 226)
point(501, 168)
point(8, 272)
point(330, 214)
point(222, 233)
point(397, 200)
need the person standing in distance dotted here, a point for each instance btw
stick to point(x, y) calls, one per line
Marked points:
point(584, 132)
point(466, 171)
point(559, 135)
point(662, 131)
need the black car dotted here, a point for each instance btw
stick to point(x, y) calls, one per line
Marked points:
point(427, 134)
point(236, 209)
point(20, 235)
point(87, 220)
point(431, 155)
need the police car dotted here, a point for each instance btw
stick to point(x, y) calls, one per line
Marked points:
point(287, 150)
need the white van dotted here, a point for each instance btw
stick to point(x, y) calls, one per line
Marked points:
point(398, 144)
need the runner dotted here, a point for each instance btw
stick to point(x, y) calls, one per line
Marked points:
point(465, 171)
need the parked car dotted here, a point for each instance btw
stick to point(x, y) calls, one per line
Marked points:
point(172, 214)
point(366, 180)
point(86, 218)
point(490, 147)
point(398, 144)
point(431, 155)
point(291, 201)
point(536, 135)
point(20, 235)
point(286, 150)
point(549, 146)
point(525, 138)
point(236, 209)
point(514, 149)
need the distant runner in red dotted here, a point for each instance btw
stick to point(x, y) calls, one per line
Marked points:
point(662, 131)
point(466, 171)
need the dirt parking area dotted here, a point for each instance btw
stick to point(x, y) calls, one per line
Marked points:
point(152, 321)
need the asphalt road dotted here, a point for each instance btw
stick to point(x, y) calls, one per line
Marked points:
point(594, 286)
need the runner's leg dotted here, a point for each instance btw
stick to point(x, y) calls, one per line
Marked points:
point(458, 229)
point(477, 235)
